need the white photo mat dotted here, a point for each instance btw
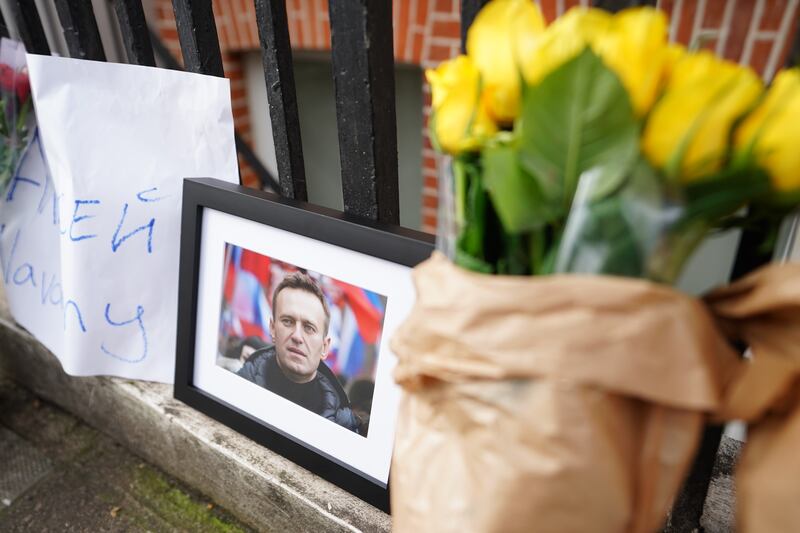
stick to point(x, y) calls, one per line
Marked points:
point(369, 456)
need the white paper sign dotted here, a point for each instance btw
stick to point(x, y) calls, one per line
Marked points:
point(90, 251)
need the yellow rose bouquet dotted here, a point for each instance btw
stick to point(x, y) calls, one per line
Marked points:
point(593, 145)
point(537, 401)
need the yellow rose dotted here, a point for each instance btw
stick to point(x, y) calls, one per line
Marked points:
point(502, 32)
point(772, 131)
point(565, 38)
point(688, 129)
point(460, 120)
point(635, 48)
point(632, 43)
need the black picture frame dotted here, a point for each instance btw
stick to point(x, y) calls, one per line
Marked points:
point(391, 243)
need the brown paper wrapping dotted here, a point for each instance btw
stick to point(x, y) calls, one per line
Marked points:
point(763, 310)
point(554, 404)
point(572, 403)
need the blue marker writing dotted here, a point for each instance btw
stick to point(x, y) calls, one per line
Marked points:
point(140, 323)
point(47, 187)
point(116, 240)
point(27, 274)
point(76, 219)
point(142, 198)
point(71, 304)
point(53, 288)
point(13, 187)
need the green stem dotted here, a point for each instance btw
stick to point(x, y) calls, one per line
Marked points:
point(536, 250)
point(460, 191)
point(668, 262)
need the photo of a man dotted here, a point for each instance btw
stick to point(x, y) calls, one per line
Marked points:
point(293, 366)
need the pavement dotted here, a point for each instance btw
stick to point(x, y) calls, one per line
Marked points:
point(58, 474)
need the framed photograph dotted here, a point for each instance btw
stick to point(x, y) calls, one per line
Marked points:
point(285, 315)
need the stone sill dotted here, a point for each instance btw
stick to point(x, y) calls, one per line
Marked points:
point(260, 487)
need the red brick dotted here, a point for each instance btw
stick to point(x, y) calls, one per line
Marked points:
point(429, 201)
point(238, 93)
point(740, 24)
point(430, 182)
point(548, 10)
point(295, 35)
point(686, 22)
point(250, 23)
point(773, 14)
point(429, 224)
point(313, 18)
point(570, 4)
point(760, 57)
point(437, 52)
point(169, 33)
point(422, 12)
point(401, 29)
point(714, 13)
point(248, 177)
point(709, 44)
point(416, 49)
point(444, 6)
point(446, 29)
point(222, 32)
point(239, 103)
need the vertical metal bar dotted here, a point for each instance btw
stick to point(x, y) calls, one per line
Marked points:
point(29, 26)
point(363, 72)
point(197, 32)
point(469, 10)
point(3, 27)
point(276, 54)
point(80, 29)
point(135, 34)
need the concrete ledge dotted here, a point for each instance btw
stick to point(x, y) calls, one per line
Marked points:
point(260, 487)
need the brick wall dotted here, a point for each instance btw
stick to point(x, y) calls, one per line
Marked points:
point(426, 32)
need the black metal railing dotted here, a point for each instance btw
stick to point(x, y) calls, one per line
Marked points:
point(195, 24)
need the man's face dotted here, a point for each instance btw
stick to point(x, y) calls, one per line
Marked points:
point(298, 331)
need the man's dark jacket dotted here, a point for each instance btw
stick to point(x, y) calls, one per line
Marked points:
point(335, 404)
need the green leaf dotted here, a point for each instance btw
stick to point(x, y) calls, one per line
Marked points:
point(474, 213)
point(578, 118)
point(722, 194)
point(516, 196)
point(469, 262)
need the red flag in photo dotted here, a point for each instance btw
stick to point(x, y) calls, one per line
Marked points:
point(368, 317)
